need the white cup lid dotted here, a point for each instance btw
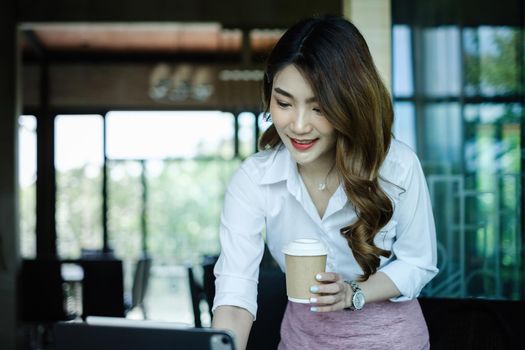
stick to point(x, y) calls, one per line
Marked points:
point(305, 247)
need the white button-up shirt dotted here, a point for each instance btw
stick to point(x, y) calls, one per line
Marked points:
point(267, 194)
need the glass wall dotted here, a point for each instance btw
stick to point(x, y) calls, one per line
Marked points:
point(165, 175)
point(458, 93)
point(168, 172)
point(27, 184)
point(78, 163)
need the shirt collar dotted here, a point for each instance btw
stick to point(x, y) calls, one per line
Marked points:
point(280, 167)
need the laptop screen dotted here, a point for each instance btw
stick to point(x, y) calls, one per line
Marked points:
point(105, 333)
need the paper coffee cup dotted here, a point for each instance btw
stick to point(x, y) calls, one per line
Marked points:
point(304, 258)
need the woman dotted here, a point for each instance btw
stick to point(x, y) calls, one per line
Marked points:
point(330, 170)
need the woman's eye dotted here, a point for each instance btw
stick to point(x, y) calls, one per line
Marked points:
point(283, 104)
point(317, 110)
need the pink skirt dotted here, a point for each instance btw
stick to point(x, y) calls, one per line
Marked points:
point(382, 325)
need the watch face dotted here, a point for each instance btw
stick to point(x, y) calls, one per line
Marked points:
point(358, 300)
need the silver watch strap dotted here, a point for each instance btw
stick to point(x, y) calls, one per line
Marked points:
point(355, 287)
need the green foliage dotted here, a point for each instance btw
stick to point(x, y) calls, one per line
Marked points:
point(124, 208)
point(78, 211)
point(184, 201)
point(184, 205)
point(28, 221)
point(495, 65)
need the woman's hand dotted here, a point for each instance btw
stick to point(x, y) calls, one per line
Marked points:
point(331, 295)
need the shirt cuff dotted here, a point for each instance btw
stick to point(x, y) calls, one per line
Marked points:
point(409, 279)
point(236, 291)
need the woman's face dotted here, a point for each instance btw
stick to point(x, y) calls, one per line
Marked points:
point(299, 121)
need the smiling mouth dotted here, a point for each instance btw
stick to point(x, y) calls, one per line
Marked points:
point(302, 144)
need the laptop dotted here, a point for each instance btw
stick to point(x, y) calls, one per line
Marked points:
point(108, 333)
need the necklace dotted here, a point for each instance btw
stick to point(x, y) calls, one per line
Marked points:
point(321, 186)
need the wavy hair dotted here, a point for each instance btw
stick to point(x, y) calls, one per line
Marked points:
point(334, 58)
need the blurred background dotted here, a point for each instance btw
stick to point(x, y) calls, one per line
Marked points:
point(121, 123)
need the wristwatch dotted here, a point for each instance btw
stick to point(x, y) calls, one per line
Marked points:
point(358, 297)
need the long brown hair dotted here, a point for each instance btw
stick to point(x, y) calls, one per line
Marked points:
point(333, 56)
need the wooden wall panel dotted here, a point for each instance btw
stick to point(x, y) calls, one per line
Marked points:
point(126, 86)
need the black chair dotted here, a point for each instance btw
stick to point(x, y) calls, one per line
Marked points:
point(41, 300)
point(97, 254)
point(102, 288)
point(197, 295)
point(202, 289)
point(41, 295)
point(208, 280)
point(140, 286)
point(479, 324)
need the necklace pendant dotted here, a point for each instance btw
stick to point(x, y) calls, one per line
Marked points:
point(321, 186)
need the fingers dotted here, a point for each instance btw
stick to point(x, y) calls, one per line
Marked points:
point(329, 295)
point(326, 299)
point(331, 288)
point(328, 308)
point(327, 277)
point(331, 283)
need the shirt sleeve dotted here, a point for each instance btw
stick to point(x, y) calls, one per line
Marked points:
point(415, 255)
point(242, 244)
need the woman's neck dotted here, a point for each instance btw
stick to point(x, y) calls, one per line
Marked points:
point(318, 170)
point(322, 177)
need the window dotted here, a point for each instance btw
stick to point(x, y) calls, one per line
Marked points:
point(27, 184)
point(460, 105)
point(167, 173)
point(247, 143)
point(78, 162)
point(162, 135)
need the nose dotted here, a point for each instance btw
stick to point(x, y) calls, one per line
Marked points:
point(301, 123)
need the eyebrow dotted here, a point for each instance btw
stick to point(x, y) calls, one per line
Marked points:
point(287, 94)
